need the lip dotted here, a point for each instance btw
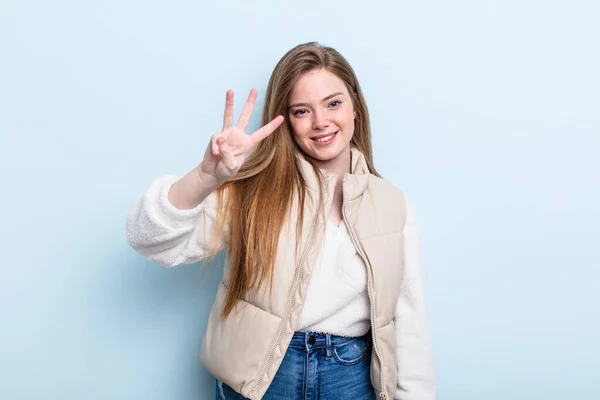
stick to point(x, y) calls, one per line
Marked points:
point(324, 135)
point(327, 142)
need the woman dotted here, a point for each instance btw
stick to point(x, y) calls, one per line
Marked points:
point(321, 296)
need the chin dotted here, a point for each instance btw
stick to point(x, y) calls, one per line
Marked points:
point(324, 155)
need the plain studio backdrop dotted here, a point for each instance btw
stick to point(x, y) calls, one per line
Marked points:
point(486, 114)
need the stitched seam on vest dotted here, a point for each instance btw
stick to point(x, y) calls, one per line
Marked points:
point(378, 235)
point(254, 305)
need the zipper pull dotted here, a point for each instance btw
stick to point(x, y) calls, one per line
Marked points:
point(382, 396)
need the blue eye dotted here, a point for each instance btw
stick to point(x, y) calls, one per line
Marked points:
point(299, 112)
point(335, 103)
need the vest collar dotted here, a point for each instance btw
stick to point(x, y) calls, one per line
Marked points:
point(355, 183)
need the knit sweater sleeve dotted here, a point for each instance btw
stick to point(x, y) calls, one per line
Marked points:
point(160, 232)
point(416, 380)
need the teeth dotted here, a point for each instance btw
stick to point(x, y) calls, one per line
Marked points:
point(326, 138)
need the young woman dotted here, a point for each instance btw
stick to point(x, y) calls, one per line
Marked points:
point(322, 293)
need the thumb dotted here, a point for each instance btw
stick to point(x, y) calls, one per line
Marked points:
point(228, 157)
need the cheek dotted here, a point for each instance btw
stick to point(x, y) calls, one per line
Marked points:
point(300, 129)
point(347, 120)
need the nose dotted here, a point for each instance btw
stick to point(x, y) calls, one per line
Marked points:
point(320, 121)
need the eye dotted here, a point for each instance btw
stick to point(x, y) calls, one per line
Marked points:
point(300, 111)
point(335, 103)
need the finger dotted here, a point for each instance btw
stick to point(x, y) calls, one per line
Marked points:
point(266, 130)
point(247, 111)
point(228, 117)
point(215, 141)
point(228, 157)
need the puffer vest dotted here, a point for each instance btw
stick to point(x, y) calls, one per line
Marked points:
point(246, 349)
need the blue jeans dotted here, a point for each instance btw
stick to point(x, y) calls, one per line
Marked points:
point(319, 366)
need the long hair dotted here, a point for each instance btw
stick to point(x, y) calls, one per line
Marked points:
point(257, 201)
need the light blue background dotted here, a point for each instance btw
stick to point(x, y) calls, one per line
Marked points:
point(486, 113)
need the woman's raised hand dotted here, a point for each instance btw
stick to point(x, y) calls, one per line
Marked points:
point(228, 149)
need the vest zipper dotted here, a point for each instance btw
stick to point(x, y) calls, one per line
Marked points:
point(382, 394)
point(289, 312)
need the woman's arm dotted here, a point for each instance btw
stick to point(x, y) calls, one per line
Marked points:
point(416, 380)
point(173, 222)
point(170, 236)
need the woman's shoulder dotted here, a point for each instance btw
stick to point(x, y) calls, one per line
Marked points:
point(387, 198)
point(384, 188)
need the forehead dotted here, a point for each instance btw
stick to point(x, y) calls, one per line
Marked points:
point(315, 85)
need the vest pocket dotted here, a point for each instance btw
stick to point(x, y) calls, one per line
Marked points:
point(236, 349)
point(386, 338)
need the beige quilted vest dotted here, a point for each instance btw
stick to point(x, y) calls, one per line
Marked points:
point(246, 349)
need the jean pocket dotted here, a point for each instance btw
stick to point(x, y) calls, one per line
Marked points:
point(351, 352)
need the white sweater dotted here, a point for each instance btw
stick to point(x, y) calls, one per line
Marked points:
point(337, 301)
point(343, 311)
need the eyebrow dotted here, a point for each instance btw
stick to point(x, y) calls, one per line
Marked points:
point(326, 98)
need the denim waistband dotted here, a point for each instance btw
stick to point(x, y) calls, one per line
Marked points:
point(314, 340)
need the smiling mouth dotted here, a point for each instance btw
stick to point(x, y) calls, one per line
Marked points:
point(324, 139)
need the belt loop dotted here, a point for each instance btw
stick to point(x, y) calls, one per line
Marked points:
point(306, 346)
point(328, 344)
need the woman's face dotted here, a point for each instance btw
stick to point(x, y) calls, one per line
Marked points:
point(322, 116)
